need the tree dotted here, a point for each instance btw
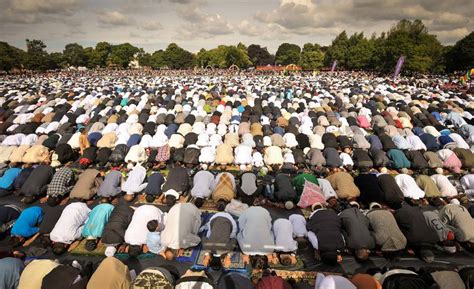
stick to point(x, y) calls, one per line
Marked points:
point(145, 59)
point(176, 57)
point(337, 50)
point(36, 57)
point(359, 52)
point(287, 54)
point(57, 60)
point(259, 56)
point(311, 57)
point(215, 58)
point(98, 57)
point(10, 57)
point(461, 56)
point(237, 56)
point(122, 54)
point(423, 52)
point(74, 55)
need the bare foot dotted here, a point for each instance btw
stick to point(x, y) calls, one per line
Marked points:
point(246, 259)
point(227, 261)
point(122, 249)
point(73, 245)
point(206, 260)
point(64, 201)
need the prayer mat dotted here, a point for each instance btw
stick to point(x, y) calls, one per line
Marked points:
point(298, 266)
point(298, 276)
point(80, 250)
point(237, 263)
point(189, 255)
point(125, 256)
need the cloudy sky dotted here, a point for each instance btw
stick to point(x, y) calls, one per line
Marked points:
point(194, 24)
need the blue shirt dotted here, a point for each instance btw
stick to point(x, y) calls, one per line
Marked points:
point(98, 217)
point(6, 181)
point(28, 223)
point(153, 242)
point(134, 140)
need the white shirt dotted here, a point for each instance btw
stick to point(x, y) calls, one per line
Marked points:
point(326, 188)
point(111, 127)
point(243, 154)
point(409, 187)
point(203, 184)
point(13, 140)
point(137, 229)
point(283, 232)
point(133, 184)
point(333, 282)
point(299, 225)
point(182, 226)
point(444, 186)
point(346, 159)
point(136, 154)
point(416, 143)
point(460, 142)
point(70, 224)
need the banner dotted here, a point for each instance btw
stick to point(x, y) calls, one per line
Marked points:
point(466, 78)
point(333, 67)
point(398, 67)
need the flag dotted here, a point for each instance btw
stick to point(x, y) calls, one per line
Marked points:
point(398, 67)
point(333, 67)
point(467, 77)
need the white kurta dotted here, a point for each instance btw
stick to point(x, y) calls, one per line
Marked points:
point(137, 229)
point(70, 224)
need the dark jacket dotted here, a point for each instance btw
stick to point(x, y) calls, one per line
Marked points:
point(332, 157)
point(417, 160)
point(37, 182)
point(327, 226)
point(392, 194)
point(362, 159)
point(114, 230)
point(191, 155)
point(22, 177)
point(412, 223)
point(284, 190)
point(370, 191)
point(356, 229)
point(155, 181)
point(119, 153)
point(65, 153)
point(329, 140)
point(379, 157)
point(177, 180)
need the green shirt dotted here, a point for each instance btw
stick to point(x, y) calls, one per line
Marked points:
point(299, 180)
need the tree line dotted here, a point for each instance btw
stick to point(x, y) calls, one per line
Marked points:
point(423, 53)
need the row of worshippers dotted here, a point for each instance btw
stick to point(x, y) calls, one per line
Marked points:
point(113, 273)
point(331, 230)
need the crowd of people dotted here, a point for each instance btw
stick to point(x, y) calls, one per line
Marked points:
point(345, 164)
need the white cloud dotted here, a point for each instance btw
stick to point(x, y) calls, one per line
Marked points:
point(114, 18)
point(151, 25)
point(249, 29)
point(200, 24)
